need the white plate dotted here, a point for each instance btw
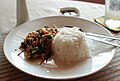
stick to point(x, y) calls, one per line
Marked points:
point(103, 54)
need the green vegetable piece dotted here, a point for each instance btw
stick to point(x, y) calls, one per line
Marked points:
point(50, 36)
point(42, 45)
point(40, 32)
point(32, 55)
point(34, 51)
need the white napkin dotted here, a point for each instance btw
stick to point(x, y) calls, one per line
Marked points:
point(22, 12)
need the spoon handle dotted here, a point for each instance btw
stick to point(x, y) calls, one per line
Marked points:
point(103, 41)
point(101, 35)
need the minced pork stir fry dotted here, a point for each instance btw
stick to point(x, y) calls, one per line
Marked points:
point(37, 44)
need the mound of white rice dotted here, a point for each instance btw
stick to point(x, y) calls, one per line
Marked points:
point(70, 45)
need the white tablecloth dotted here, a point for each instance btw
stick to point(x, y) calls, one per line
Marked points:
point(43, 8)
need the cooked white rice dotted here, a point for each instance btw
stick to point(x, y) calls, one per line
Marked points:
point(70, 45)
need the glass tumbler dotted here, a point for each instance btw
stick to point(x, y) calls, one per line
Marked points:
point(112, 14)
point(112, 9)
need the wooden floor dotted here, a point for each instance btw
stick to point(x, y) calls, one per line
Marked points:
point(93, 1)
